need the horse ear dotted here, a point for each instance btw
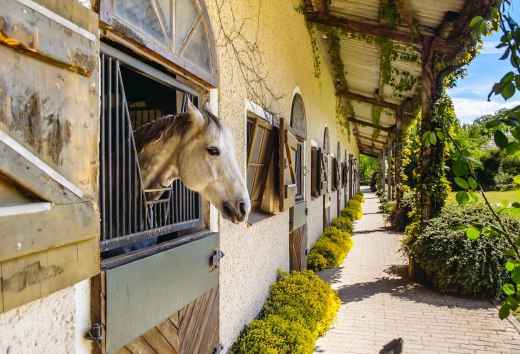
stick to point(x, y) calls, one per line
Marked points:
point(196, 118)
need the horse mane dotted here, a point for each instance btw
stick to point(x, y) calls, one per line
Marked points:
point(168, 126)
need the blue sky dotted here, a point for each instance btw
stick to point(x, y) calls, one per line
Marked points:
point(470, 94)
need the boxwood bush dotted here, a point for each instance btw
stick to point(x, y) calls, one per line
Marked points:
point(455, 264)
point(300, 307)
point(330, 249)
point(353, 210)
point(342, 223)
point(360, 197)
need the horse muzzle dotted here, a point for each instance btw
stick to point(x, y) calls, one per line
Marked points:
point(236, 212)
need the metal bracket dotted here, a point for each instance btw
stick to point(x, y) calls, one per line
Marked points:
point(218, 349)
point(215, 258)
point(94, 333)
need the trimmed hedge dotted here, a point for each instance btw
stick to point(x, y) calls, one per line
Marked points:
point(330, 249)
point(360, 197)
point(342, 223)
point(455, 264)
point(353, 210)
point(300, 307)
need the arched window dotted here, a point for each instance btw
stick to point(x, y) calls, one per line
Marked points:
point(176, 30)
point(298, 121)
point(326, 141)
point(299, 126)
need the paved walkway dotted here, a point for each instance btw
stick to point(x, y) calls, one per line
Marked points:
point(380, 303)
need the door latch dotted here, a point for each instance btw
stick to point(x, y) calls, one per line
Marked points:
point(214, 260)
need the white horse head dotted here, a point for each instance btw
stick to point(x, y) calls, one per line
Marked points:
point(197, 148)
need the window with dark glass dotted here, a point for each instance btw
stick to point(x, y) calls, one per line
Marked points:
point(299, 125)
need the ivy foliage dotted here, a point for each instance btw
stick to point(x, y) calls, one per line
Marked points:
point(456, 263)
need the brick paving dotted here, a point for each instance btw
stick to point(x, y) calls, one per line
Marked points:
point(379, 303)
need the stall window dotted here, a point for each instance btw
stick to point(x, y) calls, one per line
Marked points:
point(299, 126)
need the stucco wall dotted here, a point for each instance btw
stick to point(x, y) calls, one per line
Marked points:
point(253, 253)
point(54, 324)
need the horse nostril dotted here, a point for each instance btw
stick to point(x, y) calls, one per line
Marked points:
point(226, 207)
point(242, 208)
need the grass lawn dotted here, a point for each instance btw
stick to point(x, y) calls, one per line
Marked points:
point(493, 196)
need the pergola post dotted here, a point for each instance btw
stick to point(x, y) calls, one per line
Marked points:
point(398, 156)
point(383, 170)
point(389, 169)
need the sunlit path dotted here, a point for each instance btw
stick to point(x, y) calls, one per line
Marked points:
point(380, 303)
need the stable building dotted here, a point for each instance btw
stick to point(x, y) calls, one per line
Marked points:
point(79, 77)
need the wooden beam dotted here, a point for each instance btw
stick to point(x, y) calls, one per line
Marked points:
point(370, 28)
point(371, 125)
point(372, 140)
point(322, 6)
point(369, 100)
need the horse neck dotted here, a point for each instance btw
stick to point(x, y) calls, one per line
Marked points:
point(158, 162)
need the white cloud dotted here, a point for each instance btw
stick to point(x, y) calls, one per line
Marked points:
point(489, 48)
point(468, 109)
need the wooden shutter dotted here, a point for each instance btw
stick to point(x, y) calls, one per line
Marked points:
point(324, 161)
point(260, 151)
point(337, 174)
point(344, 169)
point(315, 172)
point(287, 166)
point(49, 138)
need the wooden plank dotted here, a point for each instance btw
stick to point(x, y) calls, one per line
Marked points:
point(96, 310)
point(42, 34)
point(26, 279)
point(370, 100)
point(139, 346)
point(182, 271)
point(63, 224)
point(170, 332)
point(123, 350)
point(373, 29)
point(1, 295)
point(74, 12)
point(34, 276)
point(370, 124)
point(298, 215)
point(11, 195)
point(157, 341)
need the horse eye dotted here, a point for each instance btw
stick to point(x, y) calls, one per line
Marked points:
point(213, 151)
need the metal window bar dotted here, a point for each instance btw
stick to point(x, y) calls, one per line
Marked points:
point(127, 215)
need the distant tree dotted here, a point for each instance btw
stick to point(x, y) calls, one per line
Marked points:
point(368, 165)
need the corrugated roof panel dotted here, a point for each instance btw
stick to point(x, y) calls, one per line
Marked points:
point(355, 9)
point(430, 13)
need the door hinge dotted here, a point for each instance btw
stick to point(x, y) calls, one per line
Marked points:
point(215, 258)
point(218, 349)
point(94, 333)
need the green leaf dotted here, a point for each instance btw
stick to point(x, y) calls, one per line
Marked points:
point(440, 135)
point(472, 233)
point(460, 168)
point(505, 203)
point(462, 197)
point(475, 162)
point(512, 147)
point(510, 266)
point(503, 312)
point(472, 183)
point(476, 21)
point(461, 183)
point(516, 179)
point(515, 275)
point(433, 139)
point(512, 303)
point(501, 139)
point(458, 227)
point(507, 77)
point(497, 229)
point(508, 91)
point(510, 253)
point(506, 54)
point(493, 123)
point(509, 289)
point(473, 195)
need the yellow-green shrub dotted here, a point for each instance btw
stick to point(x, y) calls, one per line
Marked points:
point(360, 197)
point(342, 223)
point(300, 307)
point(330, 249)
point(353, 210)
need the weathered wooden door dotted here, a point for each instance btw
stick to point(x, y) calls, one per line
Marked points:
point(167, 302)
point(298, 237)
